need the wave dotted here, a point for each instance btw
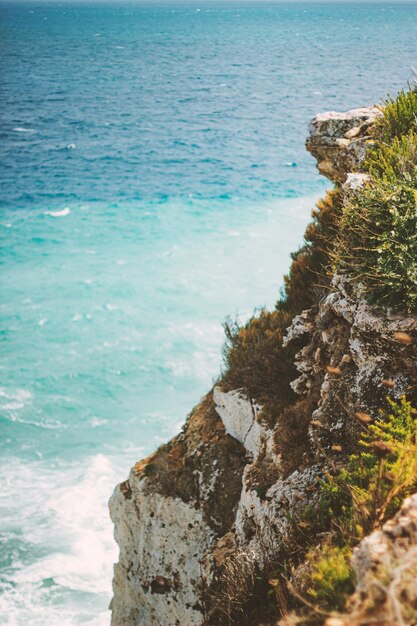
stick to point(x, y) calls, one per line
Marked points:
point(19, 129)
point(62, 213)
point(65, 523)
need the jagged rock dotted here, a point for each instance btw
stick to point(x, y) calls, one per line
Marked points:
point(355, 182)
point(351, 350)
point(338, 140)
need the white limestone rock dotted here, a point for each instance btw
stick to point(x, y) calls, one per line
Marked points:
point(355, 182)
point(239, 416)
point(261, 524)
point(161, 540)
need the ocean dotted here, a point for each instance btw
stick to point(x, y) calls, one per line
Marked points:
point(153, 181)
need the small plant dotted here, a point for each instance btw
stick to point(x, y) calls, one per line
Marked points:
point(331, 579)
point(261, 491)
point(373, 484)
point(255, 358)
point(395, 160)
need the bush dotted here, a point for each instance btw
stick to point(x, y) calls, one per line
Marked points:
point(400, 116)
point(356, 500)
point(372, 486)
point(377, 244)
point(254, 357)
point(256, 360)
point(310, 270)
point(377, 240)
point(395, 160)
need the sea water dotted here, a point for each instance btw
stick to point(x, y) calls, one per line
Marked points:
point(154, 181)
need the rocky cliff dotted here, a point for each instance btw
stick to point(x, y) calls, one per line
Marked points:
point(212, 523)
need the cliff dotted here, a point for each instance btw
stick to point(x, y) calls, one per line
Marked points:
point(226, 523)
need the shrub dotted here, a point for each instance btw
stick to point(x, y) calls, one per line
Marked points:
point(357, 499)
point(377, 240)
point(310, 270)
point(400, 116)
point(377, 244)
point(395, 160)
point(373, 484)
point(255, 358)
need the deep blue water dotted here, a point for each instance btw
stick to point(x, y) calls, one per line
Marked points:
point(153, 181)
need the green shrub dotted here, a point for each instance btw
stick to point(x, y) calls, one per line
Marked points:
point(149, 469)
point(372, 486)
point(377, 240)
point(377, 244)
point(395, 160)
point(357, 499)
point(400, 116)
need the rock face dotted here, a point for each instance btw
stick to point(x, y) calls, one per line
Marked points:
point(166, 515)
point(338, 140)
point(149, 577)
point(201, 516)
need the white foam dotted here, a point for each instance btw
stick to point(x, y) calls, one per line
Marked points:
point(21, 395)
point(62, 213)
point(13, 406)
point(62, 514)
point(19, 129)
point(95, 421)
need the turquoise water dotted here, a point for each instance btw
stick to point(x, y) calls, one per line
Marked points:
point(154, 180)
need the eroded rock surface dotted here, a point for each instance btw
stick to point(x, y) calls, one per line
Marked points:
point(338, 140)
point(220, 487)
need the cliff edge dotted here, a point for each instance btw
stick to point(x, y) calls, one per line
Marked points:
point(231, 521)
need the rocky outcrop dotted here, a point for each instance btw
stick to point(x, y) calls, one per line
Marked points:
point(166, 516)
point(198, 520)
point(338, 140)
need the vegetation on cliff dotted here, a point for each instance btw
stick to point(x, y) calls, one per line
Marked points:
point(377, 239)
point(356, 499)
point(370, 236)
